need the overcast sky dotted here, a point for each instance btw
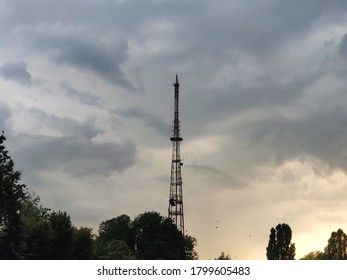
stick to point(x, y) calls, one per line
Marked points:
point(86, 103)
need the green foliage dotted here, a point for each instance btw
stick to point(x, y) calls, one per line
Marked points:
point(223, 256)
point(62, 236)
point(156, 237)
point(115, 250)
point(316, 255)
point(337, 246)
point(51, 235)
point(11, 197)
point(190, 244)
point(116, 228)
point(150, 236)
point(83, 243)
point(38, 234)
point(280, 246)
point(113, 239)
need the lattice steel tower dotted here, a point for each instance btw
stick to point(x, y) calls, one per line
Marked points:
point(176, 194)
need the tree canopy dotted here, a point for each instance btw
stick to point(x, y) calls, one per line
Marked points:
point(280, 246)
point(223, 256)
point(315, 255)
point(150, 236)
point(11, 197)
point(337, 246)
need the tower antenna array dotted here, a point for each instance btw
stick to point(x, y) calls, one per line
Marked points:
point(176, 195)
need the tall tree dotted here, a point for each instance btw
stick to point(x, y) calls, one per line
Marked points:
point(150, 236)
point(83, 244)
point(156, 237)
point(62, 236)
point(11, 197)
point(280, 246)
point(337, 246)
point(114, 238)
point(38, 234)
point(116, 228)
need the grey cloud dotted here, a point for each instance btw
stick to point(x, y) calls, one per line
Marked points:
point(259, 29)
point(75, 151)
point(73, 155)
point(65, 126)
point(201, 108)
point(16, 72)
point(215, 175)
point(267, 91)
point(100, 14)
point(318, 136)
point(93, 56)
point(69, 47)
point(343, 47)
point(5, 115)
point(149, 118)
point(84, 97)
point(199, 26)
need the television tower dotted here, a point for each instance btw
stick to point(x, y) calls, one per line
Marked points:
point(176, 194)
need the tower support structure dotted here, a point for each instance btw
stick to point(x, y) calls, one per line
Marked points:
point(175, 211)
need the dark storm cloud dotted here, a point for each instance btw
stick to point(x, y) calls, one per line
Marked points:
point(74, 151)
point(150, 119)
point(267, 92)
point(65, 126)
point(343, 47)
point(93, 56)
point(259, 29)
point(85, 97)
point(67, 46)
point(204, 36)
point(75, 156)
point(16, 72)
point(317, 137)
point(215, 175)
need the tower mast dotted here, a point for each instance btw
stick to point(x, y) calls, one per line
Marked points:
point(176, 195)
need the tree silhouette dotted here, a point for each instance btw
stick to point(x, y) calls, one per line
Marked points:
point(315, 255)
point(37, 230)
point(337, 246)
point(114, 239)
point(62, 240)
point(83, 244)
point(280, 246)
point(150, 236)
point(156, 237)
point(11, 197)
point(223, 256)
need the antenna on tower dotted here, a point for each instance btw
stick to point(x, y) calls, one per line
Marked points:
point(175, 210)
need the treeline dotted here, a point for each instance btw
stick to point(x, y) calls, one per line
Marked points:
point(281, 247)
point(30, 231)
point(336, 249)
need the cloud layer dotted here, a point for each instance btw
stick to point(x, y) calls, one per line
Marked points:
point(16, 72)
